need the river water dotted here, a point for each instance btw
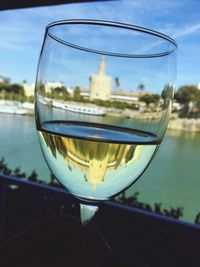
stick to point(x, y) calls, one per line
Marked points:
point(173, 177)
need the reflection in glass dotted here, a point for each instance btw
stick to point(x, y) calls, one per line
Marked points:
point(103, 96)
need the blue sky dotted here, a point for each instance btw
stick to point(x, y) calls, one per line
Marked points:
point(21, 31)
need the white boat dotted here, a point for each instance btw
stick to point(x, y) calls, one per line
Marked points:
point(44, 100)
point(12, 107)
point(28, 105)
point(88, 110)
point(57, 104)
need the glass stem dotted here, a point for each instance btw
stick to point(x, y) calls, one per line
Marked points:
point(87, 212)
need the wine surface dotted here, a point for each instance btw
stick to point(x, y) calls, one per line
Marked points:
point(95, 161)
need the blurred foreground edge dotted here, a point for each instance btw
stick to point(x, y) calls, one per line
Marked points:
point(137, 238)
point(15, 4)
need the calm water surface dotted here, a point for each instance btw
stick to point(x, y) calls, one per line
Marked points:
point(173, 178)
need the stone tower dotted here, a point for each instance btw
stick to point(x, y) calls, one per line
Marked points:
point(100, 84)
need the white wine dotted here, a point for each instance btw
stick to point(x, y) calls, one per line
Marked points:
point(95, 161)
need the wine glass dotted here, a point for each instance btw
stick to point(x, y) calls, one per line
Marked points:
point(103, 98)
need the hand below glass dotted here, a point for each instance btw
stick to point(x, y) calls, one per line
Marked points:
point(56, 242)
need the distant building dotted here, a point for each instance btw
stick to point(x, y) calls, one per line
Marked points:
point(100, 84)
point(28, 89)
point(52, 85)
point(198, 86)
point(101, 88)
point(125, 96)
point(117, 95)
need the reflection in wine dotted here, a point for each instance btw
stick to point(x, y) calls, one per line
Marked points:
point(95, 163)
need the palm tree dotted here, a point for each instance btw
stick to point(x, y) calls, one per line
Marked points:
point(117, 82)
point(140, 87)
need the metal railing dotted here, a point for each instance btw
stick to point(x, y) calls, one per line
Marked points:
point(135, 235)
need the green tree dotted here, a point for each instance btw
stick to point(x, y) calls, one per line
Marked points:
point(60, 93)
point(33, 176)
point(16, 88)
point(117, 82)
point(140, 87)
point(149, 98)
point(77, 93)
point(102, 103)
point(119, 104)
point(187, 94)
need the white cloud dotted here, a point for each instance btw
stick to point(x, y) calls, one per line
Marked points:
point(187, 31)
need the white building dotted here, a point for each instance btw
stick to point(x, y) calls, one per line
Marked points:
point(28, 89)
point(124, 96)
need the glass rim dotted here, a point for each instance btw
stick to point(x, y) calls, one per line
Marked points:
point(132, 27)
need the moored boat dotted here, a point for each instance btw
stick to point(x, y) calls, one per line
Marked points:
point(88, 110)
point(12, 107)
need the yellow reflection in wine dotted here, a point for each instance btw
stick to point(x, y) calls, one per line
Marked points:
point(93, 158)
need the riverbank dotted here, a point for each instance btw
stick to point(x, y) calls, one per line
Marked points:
point(189, 125)
point(131, 114)
point(175, 123)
